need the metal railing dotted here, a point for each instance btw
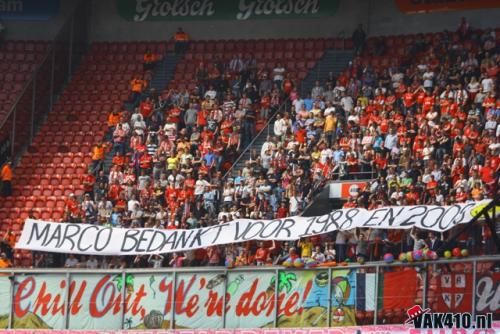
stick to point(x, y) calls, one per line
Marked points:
point(30, 108)
point(242, 154)
point(76, 289)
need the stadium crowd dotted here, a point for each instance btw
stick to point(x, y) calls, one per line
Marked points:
point(421, 131)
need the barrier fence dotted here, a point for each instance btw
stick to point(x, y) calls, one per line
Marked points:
point(193, 298)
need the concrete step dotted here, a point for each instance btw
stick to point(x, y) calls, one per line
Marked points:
point(332, 61)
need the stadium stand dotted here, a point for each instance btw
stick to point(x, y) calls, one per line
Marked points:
point(57, 161)
point(18, 61)
point(414, 115)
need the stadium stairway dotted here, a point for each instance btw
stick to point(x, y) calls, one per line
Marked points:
point(255, 145)
point(165, 70)
point(162, 74)
point(332, 61)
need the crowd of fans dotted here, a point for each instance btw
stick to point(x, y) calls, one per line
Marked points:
point(422, 131)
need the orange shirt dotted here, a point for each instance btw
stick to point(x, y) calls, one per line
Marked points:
point(181, 37)
point(98, 153)
point(11, 239)
point(114, 119)
point(149, 58)
point(477, 194)
point(137, 85)
point(4, 263)
point(6, 174)
point(118, 160)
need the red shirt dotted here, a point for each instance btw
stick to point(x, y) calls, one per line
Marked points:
point(146, 109)
point(174, 115)
point(261, 254)
point(428, 103)
point(487, 174)
point(89, 181)
point(282, 212)
point(300, 135)
point(145, 161)
point(171, 195)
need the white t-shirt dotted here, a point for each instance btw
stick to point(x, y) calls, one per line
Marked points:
point(92, 264)
point(280, 127)
point(298, 104)
point(211, 94)
point(228, 194)
point(199, 186)
point(473, 87)
point(347, 103)
point(131, 204)
point(294, 204)
point(487, 84)
point(428, 79)
point(71, 263)
point(279, 73)
point(325, 154)
point(329, 110)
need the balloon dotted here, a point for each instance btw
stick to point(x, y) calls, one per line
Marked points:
point(409, 256)
point(287, 264)
point(427, 254)
point(298, 263)
point(229, 263)
point(418, 255)
point(434, 255)
point(447, 254)
point(464, 252)
point(456, 252)
point(402, 257)
point(361, 260)
point(310, 263)
point(388, 257)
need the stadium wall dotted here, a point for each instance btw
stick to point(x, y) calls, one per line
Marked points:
point(39, 29)
point(380, 17)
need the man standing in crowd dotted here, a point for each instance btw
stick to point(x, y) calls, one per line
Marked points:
point(358, 38)
point(181, 39)
point(2, 33)
point(6, 177)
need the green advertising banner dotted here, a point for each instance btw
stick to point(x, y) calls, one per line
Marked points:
point(240, 10)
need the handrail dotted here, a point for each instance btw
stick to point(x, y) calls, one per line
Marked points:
point(216, 269)
point(255, 138)
point(40, 64)
point(322, 184)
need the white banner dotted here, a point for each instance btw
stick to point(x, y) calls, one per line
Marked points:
point(92, 239)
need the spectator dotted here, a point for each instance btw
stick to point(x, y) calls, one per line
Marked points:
point(2, 34)
point(181, 40)
point(358, 38)
point(279, 75)
point(6, 178)
point(409, 126)
point(71, 261)
point(4, 261)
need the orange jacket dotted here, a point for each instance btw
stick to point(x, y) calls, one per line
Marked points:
point(6, 174)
